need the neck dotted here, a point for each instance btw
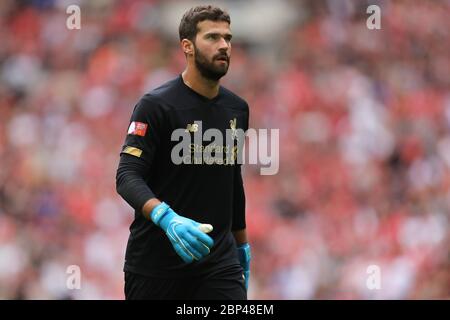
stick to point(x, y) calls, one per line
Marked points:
point(194, 80)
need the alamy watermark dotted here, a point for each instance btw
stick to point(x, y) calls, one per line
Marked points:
point(73, 281)
point(228, 150)
point(373, 281)
point(74, 20)
point(374, 21)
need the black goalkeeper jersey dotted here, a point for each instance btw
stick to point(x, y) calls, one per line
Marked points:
point(200, 190)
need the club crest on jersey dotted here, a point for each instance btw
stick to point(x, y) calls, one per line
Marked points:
point(233, 129)
point(137, 128)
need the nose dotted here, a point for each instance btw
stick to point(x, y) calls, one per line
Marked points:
point(223, 45)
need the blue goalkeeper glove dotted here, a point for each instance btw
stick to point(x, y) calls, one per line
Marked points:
point(244, 255)
point(188, 241)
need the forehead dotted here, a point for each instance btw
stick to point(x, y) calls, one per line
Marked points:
point(208, 26)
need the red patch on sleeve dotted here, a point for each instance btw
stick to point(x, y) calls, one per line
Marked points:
point(138, 128)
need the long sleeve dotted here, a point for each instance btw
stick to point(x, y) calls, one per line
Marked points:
point(137, 156)
point(130, 182)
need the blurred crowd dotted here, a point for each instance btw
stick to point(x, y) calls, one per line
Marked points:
point(364, 120)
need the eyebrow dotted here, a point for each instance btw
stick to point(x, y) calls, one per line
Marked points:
point(225, 35)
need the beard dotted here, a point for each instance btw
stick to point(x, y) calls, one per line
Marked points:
point(207, 68)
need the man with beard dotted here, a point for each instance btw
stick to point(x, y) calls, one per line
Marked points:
point(188, 238)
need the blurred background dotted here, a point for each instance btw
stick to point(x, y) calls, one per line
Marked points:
point(364, 120)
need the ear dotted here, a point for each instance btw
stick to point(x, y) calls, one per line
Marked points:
point(187, 46)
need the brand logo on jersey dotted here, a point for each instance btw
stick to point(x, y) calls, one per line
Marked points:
point(137, 128)
point(191, 127)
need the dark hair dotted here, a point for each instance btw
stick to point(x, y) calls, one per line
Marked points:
point(188, 25)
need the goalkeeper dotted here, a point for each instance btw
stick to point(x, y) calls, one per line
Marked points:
point(188, 237)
